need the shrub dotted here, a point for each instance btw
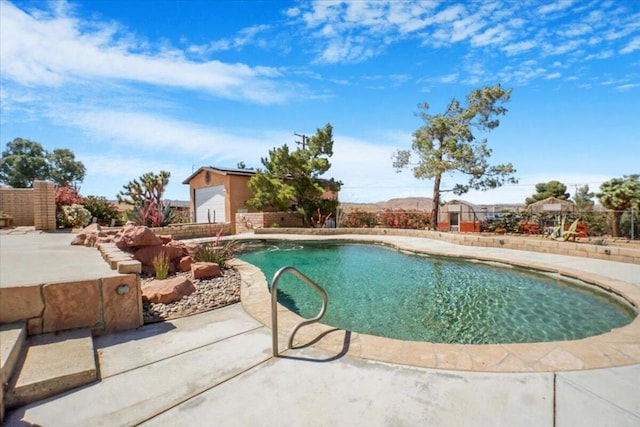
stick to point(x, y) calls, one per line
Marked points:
point(152, 214)
point(359, 219)
point(509, 222)
point(218, 251)
point(75, 216)
point(101, 209)
point(400, 218)
point(182, 217)
point(66, 196)
point(161, 266)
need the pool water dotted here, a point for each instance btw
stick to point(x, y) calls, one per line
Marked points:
point(380, 291)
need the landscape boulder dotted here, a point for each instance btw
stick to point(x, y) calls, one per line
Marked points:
point(185, 263)
point(168, 290)
point(136, 236)
point(90, 235)
point(146, 254)
point(165, 238)
point(205, 270)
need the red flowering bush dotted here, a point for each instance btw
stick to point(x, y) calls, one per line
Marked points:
point(359, 219)
point(66, 196)
point(400, 218)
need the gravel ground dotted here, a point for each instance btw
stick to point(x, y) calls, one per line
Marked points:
point(210, 294)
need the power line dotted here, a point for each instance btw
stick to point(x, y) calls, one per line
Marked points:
point(304, 140)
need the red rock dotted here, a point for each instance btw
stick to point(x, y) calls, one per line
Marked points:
point(168, 290)
point(87, 236)
point(134, 236)
point(185, 263)
point(191, 249)
point(165, 238)
point(146, 254)
point(204, 270)
point(177, 244)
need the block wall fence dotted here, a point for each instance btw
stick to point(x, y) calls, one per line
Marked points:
point(527, 243)
point(247, 222)
point(30, 206)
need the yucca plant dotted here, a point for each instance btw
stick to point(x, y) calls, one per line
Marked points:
point(161, 266)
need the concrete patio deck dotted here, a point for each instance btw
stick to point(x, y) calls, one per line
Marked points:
point(216, 368)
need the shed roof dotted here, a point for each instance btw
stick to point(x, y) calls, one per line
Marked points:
point(538, 206)
point(221, 171)
point(477, 210)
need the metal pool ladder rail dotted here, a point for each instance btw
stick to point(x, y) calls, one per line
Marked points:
point(274, 306)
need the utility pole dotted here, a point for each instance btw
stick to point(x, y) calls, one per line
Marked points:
point(304, 140)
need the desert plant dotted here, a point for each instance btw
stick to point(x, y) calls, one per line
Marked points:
point(161, 266)
point(182, 217)
point(151, 214)
point(101, 208)
point(319, 220)
point(75, 216)
point(218, 251)
point(145, 195)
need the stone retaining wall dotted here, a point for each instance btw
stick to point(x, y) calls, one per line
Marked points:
point(247, 222)
point(105, 305)
point(528, 243)
point(185, 231)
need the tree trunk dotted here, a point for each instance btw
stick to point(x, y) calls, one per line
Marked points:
point(436, 202)
point(617, 217)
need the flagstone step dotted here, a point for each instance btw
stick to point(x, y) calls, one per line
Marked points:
point(52, 364)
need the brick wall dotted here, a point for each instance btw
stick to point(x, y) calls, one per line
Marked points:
point(44, 205)
point(17, 203)
point(30, 206)
point(247, 222)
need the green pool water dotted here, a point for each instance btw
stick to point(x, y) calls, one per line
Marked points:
point(381, 291)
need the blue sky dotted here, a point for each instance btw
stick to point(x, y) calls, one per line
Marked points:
point(139, 86)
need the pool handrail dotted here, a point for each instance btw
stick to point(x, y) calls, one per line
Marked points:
point(274, 306)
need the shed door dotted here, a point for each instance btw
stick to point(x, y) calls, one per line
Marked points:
point(454, 221)
point(210, 204)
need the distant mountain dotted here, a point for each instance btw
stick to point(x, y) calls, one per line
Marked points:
point(407, 203)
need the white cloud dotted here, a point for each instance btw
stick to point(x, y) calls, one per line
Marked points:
point(519, 47)
point(556, 6)
point(494, 35)
point(366, 169)
point(141, 131)
point(451, 78)
point(575, 30)
point(600, 55)
point(632, 46)
point(626, 87)
point(450, 14)
point(50, 51)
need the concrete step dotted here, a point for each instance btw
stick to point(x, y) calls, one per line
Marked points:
point(12, 339)
point(53, 363)
point(12, 343)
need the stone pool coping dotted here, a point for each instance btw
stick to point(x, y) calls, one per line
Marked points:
point(620, 347)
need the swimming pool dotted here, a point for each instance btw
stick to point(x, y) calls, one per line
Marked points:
point(380, 291)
